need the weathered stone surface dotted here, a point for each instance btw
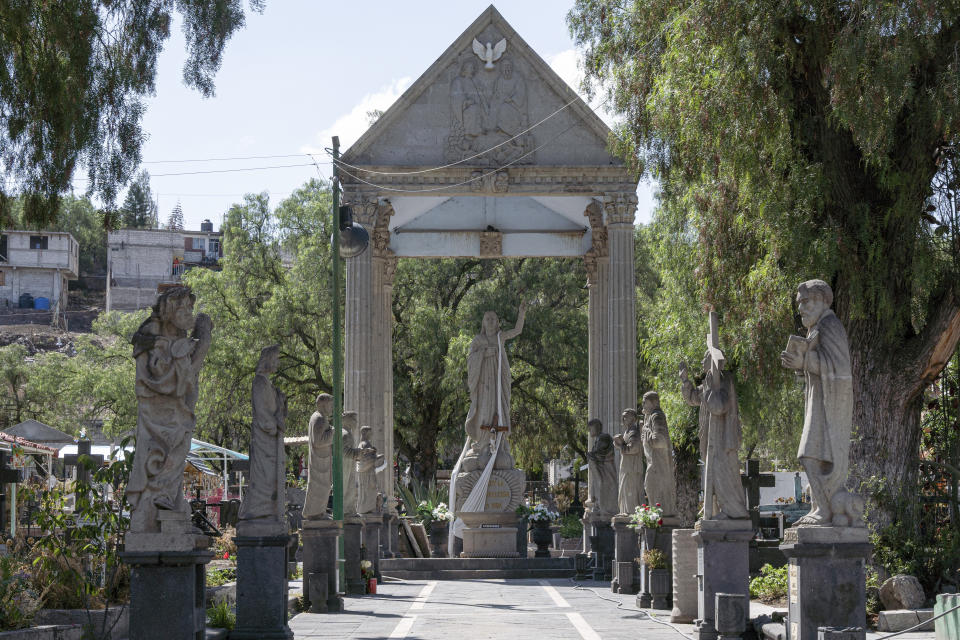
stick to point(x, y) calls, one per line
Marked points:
point(902, 592)
point(723, 564)
point(320, 461)
point(167, 592)
point(320, 558)
point(659, 482)
point(824, 359)
point(262, 588)
point(684, 576)
point(901, 619)
point(489, 534)
point(602, 470)
point(631, 463)
point(367, 462)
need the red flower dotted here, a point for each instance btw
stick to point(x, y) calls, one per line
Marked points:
point(226, 556)
point(658, 504)
point(660, 521)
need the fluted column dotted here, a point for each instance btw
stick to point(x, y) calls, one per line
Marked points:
point(381, 389)
point(386, 300)
point(621, 307)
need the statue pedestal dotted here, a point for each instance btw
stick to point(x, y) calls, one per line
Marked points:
point(602, 546)
point(176, 534)
point(320, 565)
point(723, 566)
point(489, 534)
point(389, 536)
point(261, 585)
point(352, 534)
point(624, 553)
point(370, 540)
point(167, 593)
point(826, 578)
point(660, 539)
point(684, 576)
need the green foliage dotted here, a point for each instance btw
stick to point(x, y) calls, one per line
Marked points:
point(221, 576)
point(654, 559)
point(19, 600)
point(873, 591)
point(570, 526)
point(770, 585)
point(420, 493)
point(221, 615)
point(74, 78)
point(139, 210)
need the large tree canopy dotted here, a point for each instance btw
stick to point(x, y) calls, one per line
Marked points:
point(795, 140)
point(73, 77)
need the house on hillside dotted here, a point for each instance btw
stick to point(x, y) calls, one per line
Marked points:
point(37, 264)
point(142, 261)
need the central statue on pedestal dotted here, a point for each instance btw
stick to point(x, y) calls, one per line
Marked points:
point(484, 482)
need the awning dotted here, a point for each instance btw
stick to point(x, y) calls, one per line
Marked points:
point(27, 446)
point(200, 465)
point(199, 447)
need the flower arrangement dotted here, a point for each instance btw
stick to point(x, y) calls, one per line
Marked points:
point(647, 517)
point(366, 569)
point(441, 512)
point(541, 513)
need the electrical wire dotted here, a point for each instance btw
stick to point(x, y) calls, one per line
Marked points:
point(621, 606)
point(193, 173)
point(917, 626)
point(288, 155)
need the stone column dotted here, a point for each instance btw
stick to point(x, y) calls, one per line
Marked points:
point(621, 308)
point(320, 583)
point(684, 576)
point(625, 552)
point(723, 566)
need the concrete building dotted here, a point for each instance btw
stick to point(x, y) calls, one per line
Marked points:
point(139, 261)
point(38, 263)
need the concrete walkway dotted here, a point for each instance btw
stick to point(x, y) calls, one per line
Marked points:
point(517, 609)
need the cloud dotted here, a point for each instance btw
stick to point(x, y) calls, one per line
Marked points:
point(352, 125)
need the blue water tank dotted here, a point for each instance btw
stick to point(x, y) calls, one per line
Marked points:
point(41, 303)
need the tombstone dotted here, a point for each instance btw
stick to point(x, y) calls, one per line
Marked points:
point(752, 480)
point(75, 460)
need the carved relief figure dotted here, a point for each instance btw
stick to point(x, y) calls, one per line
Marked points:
point(719, 440)
point(631, 463)
point(823, 357)
point(168, 365)
point(488, 378)
point(367, 463)
point(510, 117)
point(603, 472)
point(320, 461)
point(468, 107)
point(266, 493)
point(659, 481)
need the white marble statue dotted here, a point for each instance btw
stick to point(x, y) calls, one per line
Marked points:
point(631, 463)
point(168, 359)
point(367, 462)
point(601, 459)
point(823, 357)
point(723, 497)
point(349, 423)
point(320, 461)
point(488, 378)
point(659, 483)
point(265, 496)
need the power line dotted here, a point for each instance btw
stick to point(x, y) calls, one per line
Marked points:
point(289, 155)
point(194, 173)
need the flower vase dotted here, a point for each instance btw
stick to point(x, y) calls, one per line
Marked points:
point(439, 534)
point(660, 585)
point(542, 537)
point(371, 585)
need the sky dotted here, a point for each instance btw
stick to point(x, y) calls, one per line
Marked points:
point(301, 72)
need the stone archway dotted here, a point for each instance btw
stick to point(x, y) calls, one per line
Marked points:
point(488, 158)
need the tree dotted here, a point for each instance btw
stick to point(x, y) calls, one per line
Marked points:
point(73, 79)
point(175, 220)
point(794, 141)
point(138, 210)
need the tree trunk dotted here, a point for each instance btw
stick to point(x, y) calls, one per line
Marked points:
point(687, 476)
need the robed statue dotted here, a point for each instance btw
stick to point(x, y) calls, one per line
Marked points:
point(367, 462)
point(823, 357)
point(601, 461)
point(630, 444)
point(319, 461)
point(169, 348)
point(660, 483)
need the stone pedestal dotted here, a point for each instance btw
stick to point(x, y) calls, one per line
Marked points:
point(723, 566)
point(389, 536)
point(826, 578)
point(489, 534)
point(684, 576)
point(168, 594)
point(320, 559)
point(261, 587)
point(370, 541)
point(625, 553)
point(585, 521)
point(176, 534)
point(661, 539)
point(603, 549)
point(352, 535)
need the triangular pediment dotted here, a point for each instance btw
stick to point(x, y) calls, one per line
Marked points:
point(512, 111)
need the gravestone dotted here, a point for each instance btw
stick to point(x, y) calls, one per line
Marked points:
point(76, 460)
point(752, 480)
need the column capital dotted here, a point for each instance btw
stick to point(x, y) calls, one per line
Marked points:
point(621, 207)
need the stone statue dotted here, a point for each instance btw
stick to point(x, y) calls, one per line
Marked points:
point(491, 53)
point(488, 378)
point(349, 422)
point(723, 497)
point(168, 363)
point(824, 359)
point(631, 463)
point(659, 483)
point(320, 463)
point(603, 472)
point(367, 463)
point(265, 496)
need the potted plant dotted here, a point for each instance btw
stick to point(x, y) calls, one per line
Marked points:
point(367, 573)
point(437, 521)
point(656, 562)
point(540, 518)
point(647, 521)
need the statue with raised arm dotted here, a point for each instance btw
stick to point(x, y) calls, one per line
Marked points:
point(169, 348)
point(488, 378)
point(720, 435)
point(349, 423)
point(601, 459)
point(367, 462)
point(659, 483)
point(320, 461)
point(823, 357)
point(631, 463)
point(265, 498)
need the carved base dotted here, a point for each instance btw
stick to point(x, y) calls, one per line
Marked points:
point(489, 535)
point(504, 492)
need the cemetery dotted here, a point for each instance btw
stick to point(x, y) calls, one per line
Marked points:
point(253, 459)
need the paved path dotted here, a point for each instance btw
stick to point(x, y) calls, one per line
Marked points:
point(515, 609)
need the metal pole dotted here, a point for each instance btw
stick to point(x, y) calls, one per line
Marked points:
point(337, 369)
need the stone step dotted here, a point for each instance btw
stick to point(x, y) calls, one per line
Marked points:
point(475, 568)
